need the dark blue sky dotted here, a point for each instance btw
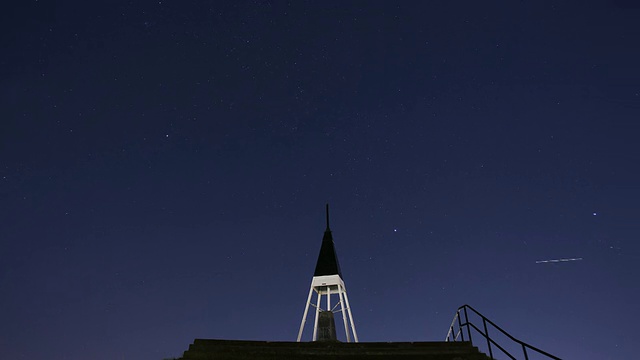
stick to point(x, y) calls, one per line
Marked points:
point(164, 167)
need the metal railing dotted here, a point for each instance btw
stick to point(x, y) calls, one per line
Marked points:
point(453, 335)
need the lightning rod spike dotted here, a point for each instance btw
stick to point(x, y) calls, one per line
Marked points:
point(327, 206)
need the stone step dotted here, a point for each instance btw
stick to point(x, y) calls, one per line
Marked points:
point(203, 349)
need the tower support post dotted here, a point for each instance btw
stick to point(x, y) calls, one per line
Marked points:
point(315, 322)
point(353, 326)
point(306, 311)
point(344, 314)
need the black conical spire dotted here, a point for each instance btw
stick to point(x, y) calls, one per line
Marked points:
point(327, 260)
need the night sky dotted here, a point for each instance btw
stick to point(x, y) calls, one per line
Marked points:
point(164, 167)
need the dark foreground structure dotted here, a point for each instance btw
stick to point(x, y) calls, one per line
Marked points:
point(202, 349)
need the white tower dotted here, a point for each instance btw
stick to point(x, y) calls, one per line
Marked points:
point(327, 280)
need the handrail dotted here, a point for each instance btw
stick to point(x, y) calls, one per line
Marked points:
point(453, 335)
point(452, 323)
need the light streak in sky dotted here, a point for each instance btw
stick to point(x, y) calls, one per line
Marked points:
point(557, 260)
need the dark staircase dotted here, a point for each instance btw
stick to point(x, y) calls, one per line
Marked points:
point(202, 349)
point(464, 325)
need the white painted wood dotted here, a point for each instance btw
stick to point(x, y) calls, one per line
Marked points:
point(325, 286)
point(304, 317)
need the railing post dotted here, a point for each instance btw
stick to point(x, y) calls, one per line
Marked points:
point(524, 350)
point(466, 320)
point(486, 333)
point(460, 325)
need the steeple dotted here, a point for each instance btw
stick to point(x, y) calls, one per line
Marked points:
point(327, 280)
point(327, 259)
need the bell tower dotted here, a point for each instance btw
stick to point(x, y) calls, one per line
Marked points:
point(327, 280)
